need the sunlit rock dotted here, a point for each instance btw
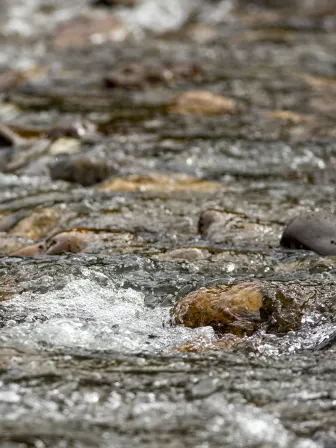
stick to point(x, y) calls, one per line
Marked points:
point(38, 224)
point(311, 231)
point(161, 182)
point(241, 308)
point(202, 102)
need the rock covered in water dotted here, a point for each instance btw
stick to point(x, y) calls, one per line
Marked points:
point(240, 308)
point(311, 231)
point(202, 102)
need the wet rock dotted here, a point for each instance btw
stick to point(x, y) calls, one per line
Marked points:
point(81, 170)
point(64, 146)
point(161, 182)
point(236, 228)
point(38, 224)
point(202, 102)
point(73, 241)
point(139, 76)
point(311, 231)
point(241, 308)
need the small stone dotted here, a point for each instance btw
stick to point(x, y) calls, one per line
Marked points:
point(241, 308)
point(64, 146)
point(311, 231)
point(73, 241)
point(161, 183)
point(81, 170)
point(202, 102)
point(38, 224)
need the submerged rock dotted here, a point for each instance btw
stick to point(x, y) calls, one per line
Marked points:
point(241, 308)
point(311, 231)
point(202, 102)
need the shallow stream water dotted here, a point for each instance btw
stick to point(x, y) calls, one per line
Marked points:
point(89, 356)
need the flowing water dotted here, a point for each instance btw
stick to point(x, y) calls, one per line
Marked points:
point(89, 356)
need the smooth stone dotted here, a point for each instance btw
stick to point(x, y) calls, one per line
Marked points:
point(311, 231)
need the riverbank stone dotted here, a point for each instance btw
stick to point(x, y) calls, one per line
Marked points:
point(311, 231)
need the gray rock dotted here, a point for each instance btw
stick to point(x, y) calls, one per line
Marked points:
point(311, 231)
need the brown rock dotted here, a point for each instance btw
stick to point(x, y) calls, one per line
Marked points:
point(241, 308)
point(202, 102)
point(30, 251)
point(73, 241)
point(81, 170)
point(38, 224)
point(161, 183)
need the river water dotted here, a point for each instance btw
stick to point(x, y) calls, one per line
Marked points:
point(101, 153)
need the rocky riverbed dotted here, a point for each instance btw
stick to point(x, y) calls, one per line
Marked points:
point(151, 155)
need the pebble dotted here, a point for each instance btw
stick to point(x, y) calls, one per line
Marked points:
point(64, 146)
point(311, 231)
point(81, 170)
point(202, 102)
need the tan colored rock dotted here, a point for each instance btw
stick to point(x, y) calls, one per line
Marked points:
point(202, 102)
point(161, 183)
point(30, 251)
point(38, 224)
point(72, 241)
point(241, 308)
